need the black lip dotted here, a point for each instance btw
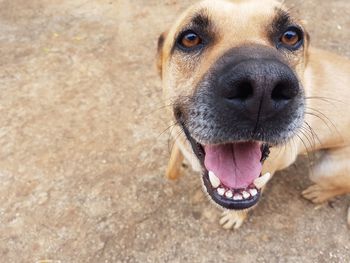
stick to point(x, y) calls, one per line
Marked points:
point(229, 203)
point(221, 200)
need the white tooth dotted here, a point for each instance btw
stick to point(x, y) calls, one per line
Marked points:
point(229, 194)
point(245, 194)
point(253, 192)
point(221, 191)
point(262, 180)
point(237, 197)
point(214, 180)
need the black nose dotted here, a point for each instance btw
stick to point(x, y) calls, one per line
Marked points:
point(258, 88)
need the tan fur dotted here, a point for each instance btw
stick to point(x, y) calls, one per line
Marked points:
point(175, 162)
point(325, 78)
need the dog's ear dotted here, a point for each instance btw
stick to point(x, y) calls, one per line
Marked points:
point(161, 41)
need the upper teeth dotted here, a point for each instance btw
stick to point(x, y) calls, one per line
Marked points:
point(214, 180)
point(262, 180)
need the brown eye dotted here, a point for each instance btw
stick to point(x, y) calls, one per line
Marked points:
point(190, 40)
point(290, 38)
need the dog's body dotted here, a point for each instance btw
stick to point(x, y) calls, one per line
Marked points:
point(310, 114)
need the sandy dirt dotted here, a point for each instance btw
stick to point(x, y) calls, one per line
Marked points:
point(84, 146)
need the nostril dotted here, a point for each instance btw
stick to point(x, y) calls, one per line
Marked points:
point(242, 91)
point(284, 91)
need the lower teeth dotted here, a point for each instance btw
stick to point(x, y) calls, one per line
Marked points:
point(253, 192)
point(238, 195)
point(221, 191)
point(245, 194)
point(229, 194)
point(235, 194)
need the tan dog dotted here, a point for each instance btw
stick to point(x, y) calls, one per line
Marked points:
point(249, 95)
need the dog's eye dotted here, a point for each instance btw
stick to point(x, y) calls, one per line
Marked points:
point(190, 40)
point(292, 38)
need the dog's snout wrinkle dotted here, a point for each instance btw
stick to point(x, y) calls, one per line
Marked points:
point(258, 117)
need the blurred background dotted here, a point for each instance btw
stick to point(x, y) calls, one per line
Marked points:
point(84, 146)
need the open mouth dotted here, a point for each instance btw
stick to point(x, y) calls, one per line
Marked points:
point(232, 171)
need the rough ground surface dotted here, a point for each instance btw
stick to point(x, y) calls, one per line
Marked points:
point(83, 153)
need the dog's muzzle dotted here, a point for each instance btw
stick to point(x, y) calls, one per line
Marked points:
point(248, 101)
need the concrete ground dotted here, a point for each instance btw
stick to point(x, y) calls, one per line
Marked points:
point(83, 149)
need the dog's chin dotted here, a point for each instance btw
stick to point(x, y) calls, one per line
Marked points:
point(232, 171)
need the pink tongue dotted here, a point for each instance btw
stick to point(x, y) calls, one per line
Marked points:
point(237, 165)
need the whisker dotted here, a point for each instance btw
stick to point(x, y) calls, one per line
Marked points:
point(309, 137)
point(306, 148)
point(324, 121)
point(325, 99)
point(324, 115)
point(159, 108)
point(171, 126)
point(174, 139)
point(313, 132)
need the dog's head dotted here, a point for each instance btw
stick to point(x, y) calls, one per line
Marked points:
point(234, 71)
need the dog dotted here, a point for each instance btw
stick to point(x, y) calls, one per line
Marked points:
point(249, 94)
